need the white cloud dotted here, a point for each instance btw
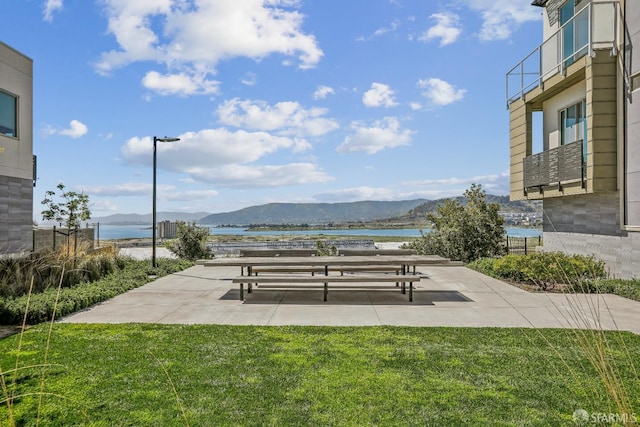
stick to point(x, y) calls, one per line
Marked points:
point(496, 184)
point(355, 194)
point(181, 84)
point(447, 29)
point(502, 17)
point(225, 158)
point(135, 189)
point(191, 38)
point(249, 79)
point(189, 196)
point(126, 189)
point(75, 130)
point(51, 6)
point(380, 95)
point(255, 176)
point(384, 134)
point(440, 92)
point(285, 118)
point(395, 24)
point(322, 92)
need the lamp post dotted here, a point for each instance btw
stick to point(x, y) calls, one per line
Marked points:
point(154, 225)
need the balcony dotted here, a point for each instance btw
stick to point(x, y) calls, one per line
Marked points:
point(594, 27)
point(558, 166)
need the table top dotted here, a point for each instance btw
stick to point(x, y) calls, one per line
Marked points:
point(328, 260)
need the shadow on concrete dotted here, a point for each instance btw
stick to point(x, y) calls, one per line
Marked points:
point(308, 295)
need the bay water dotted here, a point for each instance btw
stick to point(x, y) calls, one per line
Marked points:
point(133, 231)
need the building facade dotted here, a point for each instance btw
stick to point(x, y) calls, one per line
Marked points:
point(574, 105)
point(16, 152)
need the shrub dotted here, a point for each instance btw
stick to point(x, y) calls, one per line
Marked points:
point(45, 269)
point(464, 232)
point(545, 269)
point(325, 250)
point(41, 306)
point(191, 242)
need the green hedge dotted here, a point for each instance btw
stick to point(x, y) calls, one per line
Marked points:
point(544, 269)
point(584, 274)
point(41, 305)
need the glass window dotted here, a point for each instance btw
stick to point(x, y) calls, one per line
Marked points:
point(573, 123)
point(8, 108)
point(635, 82)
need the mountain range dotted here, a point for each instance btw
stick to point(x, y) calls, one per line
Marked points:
point(315, 213)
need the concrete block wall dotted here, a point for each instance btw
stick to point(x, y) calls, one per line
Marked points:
point(597, 213)
point(16, 213)
point(620, 253)
point(590, 225)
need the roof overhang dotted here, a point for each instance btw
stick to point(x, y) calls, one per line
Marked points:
point(540, 3)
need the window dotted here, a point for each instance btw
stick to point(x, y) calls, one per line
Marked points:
point(573, 123)
point(635, 82)
point(8, 109)
point(575, 32)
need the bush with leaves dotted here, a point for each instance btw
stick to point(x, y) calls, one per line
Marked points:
point(464, 232)
point(324, 249)
point(545, 269)
point(190, 242)
point(54, 302)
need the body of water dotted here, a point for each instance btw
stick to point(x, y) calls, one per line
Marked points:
point(144, 231)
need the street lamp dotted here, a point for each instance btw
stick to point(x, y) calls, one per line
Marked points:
point(154, 225)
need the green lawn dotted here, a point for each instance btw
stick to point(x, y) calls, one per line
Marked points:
point(124, 375)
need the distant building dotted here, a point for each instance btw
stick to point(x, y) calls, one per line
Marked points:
point(167, 230)
point(17, 163)
point(582, 87)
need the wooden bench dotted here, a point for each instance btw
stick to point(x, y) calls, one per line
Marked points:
point(277, 252)
point(297, 279)
point(370, 252)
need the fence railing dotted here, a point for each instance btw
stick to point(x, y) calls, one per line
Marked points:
point(522, 245)
point(594, 27)
point(556, 166)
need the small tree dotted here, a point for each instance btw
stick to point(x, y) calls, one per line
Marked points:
point(190, 242)
point(70, 212)
point(464, 232)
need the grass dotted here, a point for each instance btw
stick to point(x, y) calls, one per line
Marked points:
point(148, 375)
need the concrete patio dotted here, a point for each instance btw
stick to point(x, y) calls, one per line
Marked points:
point(445, 296)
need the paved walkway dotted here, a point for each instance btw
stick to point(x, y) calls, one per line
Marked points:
point(446, 296)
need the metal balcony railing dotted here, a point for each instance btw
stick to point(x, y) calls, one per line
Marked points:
point(557, 166)
point(594, 27)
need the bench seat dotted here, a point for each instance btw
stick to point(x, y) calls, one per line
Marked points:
point(298, 279)
point(293, 269)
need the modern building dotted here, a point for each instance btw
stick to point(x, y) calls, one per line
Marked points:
point(17, 164)
point(574, 105)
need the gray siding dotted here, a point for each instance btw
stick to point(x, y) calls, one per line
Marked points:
point(16, 213)
point(586, 214)
point(632, 163)
point(16, 157)
point(620, 253)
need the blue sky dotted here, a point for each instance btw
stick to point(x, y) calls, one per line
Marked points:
point(273, 100)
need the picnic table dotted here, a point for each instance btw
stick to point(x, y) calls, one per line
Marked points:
point(403, 262)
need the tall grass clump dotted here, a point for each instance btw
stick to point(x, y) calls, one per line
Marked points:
point(578, 276)
point(63, 267)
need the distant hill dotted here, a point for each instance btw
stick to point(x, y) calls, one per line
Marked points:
point(312, 213)
point(123, 219)
point(405, 211)
point(505, 205)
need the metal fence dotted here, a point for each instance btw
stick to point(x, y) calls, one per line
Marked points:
point(522, 245)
